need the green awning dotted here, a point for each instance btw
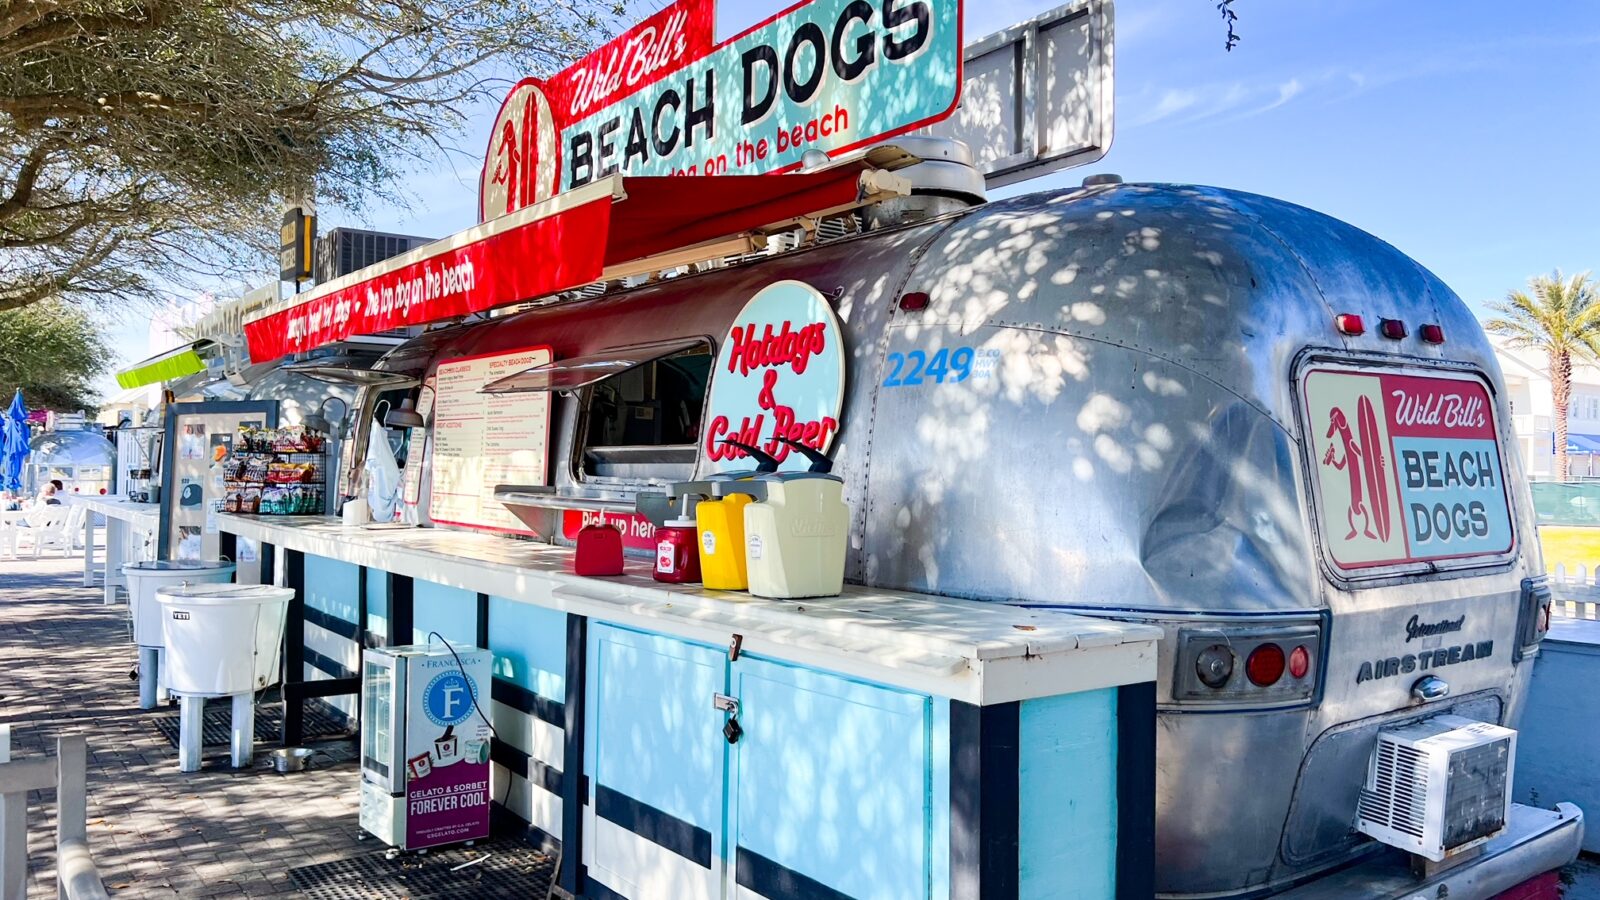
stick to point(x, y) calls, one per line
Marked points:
point(176, 363)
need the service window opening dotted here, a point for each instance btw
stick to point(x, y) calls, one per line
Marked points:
point(644, 423)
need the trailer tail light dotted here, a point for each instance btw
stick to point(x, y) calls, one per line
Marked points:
point(1241, 665)
point(1214, 666)
point(1393, 329)
point(1265, 665)
point(1299, 662)
point(1433, 334)
point(914, 301)
point(1350, 323)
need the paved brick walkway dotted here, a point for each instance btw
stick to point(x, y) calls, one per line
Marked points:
point(64, 663)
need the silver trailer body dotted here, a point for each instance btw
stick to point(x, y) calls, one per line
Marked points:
point(1135, 452)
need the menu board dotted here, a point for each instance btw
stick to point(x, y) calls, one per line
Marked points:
point(483, 440)
point(417, 450)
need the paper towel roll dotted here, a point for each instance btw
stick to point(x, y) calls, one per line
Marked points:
point(356, 513)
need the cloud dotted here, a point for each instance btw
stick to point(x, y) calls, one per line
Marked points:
point(1186, 106)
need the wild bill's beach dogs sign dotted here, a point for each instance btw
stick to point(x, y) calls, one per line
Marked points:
point(663, 99)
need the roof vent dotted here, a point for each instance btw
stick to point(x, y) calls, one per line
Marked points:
point(942, 181)
point(1101, 180)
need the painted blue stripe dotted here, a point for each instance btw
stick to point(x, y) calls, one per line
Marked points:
point(523, 764)
point(1067, 788)
point(327, 665)
point(686, 839)
point(378, 604)
point(452, 612)
point(523, 700)
point(776, 882)
point(530, 646)
point(350, 631)
point(332, 587)
point(504, 820)
point(594, 890)
point(1135, 753)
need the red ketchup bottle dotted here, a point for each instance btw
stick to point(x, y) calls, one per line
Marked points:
point(678, 552)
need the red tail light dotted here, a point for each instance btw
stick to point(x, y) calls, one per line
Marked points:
point(1299, 661)
point(1265, 665)
point(1433, 334)
point(1350, 323)
point(1393, 329)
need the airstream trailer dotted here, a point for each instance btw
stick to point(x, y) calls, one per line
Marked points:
point(1258, 427)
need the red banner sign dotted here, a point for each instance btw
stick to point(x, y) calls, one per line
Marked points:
point(522, 163)
point(513, 262)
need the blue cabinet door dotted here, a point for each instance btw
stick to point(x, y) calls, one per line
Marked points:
point(657, 762)
point(832, 788)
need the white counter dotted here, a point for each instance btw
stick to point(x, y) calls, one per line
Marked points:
point(976, 652)
point(126, 524)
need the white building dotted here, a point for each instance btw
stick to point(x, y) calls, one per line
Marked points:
point(1527, 375)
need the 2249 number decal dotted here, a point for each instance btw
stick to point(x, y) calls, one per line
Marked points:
point(946, 366)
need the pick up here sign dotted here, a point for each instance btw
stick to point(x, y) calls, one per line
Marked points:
point(1408, 467)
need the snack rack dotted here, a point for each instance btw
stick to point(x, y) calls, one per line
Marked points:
point(276, 472)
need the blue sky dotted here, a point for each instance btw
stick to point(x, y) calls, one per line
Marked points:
point(1465, 132)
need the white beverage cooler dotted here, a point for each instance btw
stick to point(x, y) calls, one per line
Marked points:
point(425, 741)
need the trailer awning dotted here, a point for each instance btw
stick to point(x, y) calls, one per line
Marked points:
point(1583, 443)
point(609, 229)
point(179, 362)
point(582, 371)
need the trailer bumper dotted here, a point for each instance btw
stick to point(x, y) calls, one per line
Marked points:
point(1537, 841)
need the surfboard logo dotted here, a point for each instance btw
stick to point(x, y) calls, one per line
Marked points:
point(1360, 454)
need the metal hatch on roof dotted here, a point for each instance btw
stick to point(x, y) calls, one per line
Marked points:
point(582, 371)
point(349, 368)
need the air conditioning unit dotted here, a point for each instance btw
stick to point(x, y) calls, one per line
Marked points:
point(1438, 787)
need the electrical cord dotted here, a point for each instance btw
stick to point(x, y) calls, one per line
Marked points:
point(493, 733)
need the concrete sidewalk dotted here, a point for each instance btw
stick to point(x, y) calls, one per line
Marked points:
point(64, 664)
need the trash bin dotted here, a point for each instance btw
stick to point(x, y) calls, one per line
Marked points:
point(221, 640)
point(144, 578)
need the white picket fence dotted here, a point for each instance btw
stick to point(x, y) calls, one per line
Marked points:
point(76, 875)
point(1576, 594)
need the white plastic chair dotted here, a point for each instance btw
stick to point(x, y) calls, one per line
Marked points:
point(75, 518)
point(47, 528)
point(8, 538)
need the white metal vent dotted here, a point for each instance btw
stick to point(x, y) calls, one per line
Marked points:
point(1439, 786)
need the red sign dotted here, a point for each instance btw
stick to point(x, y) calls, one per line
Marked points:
point(823, 76)
point(522, 164)
point(638, 533)
point(1408, 467)
point(484, 268)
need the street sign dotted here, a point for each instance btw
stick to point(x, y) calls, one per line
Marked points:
point(1037, 97)
point(294, 250)
point(664, 99)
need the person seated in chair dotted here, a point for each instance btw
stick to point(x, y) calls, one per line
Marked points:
point(47, 496)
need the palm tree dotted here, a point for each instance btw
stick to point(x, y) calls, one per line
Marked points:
point(1562, 318)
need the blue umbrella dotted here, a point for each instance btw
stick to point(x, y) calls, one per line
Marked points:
point(14, 444)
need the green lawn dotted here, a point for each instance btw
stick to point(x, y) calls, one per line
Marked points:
point(1570, 546)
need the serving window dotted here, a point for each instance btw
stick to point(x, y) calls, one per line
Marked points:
point(641, 407)
point(644, 423)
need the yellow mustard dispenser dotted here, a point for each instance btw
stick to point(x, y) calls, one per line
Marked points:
point(721, 525)
point(795, 538)
point(720, 521)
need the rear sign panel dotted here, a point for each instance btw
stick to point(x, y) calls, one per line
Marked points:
point(1407, 466)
